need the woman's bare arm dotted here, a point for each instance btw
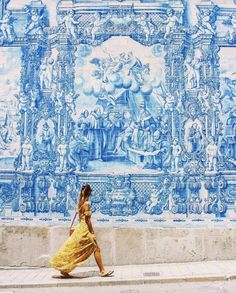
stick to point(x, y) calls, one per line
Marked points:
point(88, 218)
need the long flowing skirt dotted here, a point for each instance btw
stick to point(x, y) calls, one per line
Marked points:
point(75, 250)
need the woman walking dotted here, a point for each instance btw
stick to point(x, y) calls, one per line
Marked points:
point(82, 243)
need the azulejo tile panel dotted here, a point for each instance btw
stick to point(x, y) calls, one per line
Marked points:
point(128, 96)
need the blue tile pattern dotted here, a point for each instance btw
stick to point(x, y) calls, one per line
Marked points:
point(128, 96)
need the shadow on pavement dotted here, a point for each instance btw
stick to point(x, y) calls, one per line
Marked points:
point(82, 275)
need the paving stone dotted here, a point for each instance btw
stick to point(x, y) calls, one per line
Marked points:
point(124, 275)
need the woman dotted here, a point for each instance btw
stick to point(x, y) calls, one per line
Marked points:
point(82, 243)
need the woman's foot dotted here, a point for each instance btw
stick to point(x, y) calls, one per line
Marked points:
point(65, 275)
point(106, 274)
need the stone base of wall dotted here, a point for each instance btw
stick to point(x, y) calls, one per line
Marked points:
point(33, 246)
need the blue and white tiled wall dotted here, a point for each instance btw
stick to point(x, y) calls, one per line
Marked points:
point(136, 98)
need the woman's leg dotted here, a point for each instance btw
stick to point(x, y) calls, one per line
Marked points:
point(98, 258)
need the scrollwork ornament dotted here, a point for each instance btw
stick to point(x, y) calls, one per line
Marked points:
point(194, 167)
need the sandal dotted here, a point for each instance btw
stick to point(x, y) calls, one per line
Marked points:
point(106, 274)
point(65, 275)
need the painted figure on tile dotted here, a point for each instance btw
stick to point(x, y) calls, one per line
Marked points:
point(204, 98)
point(137, 69)
point(6, 27)
point(116, 120)
point(95, 133)
point(147, 26)
point(231, 21)
point(74, 153)
point(46, 73)
point(217, 100)
point(124, 136)
point(148, 137)
point(83, 142)
point(196, 67)
point(229, 93)
point(159, 198)
point(70, 99)
point(171, 22)
point(190, 73)
point(35, 24)
point(5, 132)
point(63, 153)
point(58, 97)
point(35, 97)
point(135, 138)
point(176, 154)
point(230, 136)
point(46, 138)
point(179, 103)
point(204, 25)
point(106, 132)
point(232, 30)
point(166, 145)
point(45, 135)
point(144, 128)
point(43, 75)
point(84, 118)
point(23, 101)
point(98, 23)
point(195, 137)
point(26, 151)
point(156, 151)
point(78, 156)
point(71, 25)
point(153, 201)
point(212, 154)
point(170, 101)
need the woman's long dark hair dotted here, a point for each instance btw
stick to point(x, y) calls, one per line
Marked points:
point(84, 195)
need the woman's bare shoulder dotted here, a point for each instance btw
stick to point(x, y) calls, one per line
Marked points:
point(86, 205)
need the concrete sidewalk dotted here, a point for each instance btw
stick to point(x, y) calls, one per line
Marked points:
point(124, 275)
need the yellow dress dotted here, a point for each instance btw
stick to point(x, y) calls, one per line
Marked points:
point(76, 249)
